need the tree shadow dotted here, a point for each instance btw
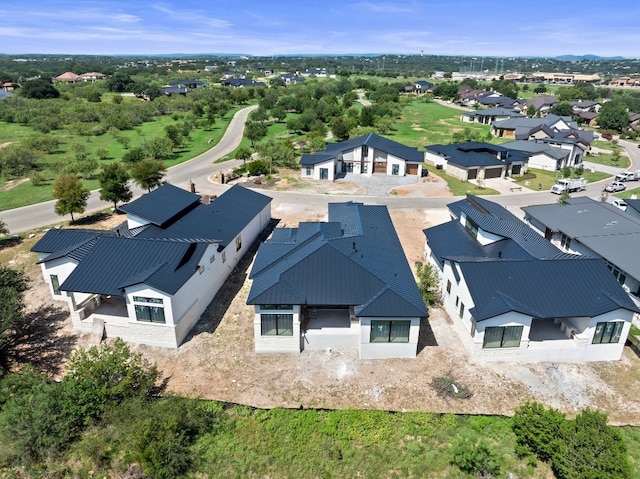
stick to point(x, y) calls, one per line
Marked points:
point(426, 336)
point(10, 241)
point(91, 219)
point(39, 341)
point(212, 316)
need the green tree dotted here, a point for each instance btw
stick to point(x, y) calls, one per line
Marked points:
point(3, 228)
point(133, 155)
point(243, 154)
point(71, 194)
point(428, 283)
point(158, 148)
point(113, 184)
point(613, 116)
point(103, 377)
point(476, 457)
point(120, 82)
point(591, 449)
point(148, 173)
point(39, 89)
point(340, 128)
point(540, 88)
point(537, 430)
point(13, 284)
point(562, 109)
point(174, 134)
point(255, 131)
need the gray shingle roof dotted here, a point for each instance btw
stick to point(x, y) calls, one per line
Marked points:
point(162, 205)
point(354, 259)
point(609, 232)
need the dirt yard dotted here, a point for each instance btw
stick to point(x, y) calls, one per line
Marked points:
point(217, 361)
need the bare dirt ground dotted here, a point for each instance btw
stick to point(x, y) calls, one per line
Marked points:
point(217, 361)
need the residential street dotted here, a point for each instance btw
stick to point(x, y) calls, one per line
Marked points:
point(201, 168)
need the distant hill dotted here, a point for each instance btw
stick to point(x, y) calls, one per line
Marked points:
point(578, 58)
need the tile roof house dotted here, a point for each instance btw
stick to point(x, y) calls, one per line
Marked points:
point(344, 283)
point(593, 228)
point(365, 155)
point(476, 160)
point(149, 280)
point(68, 77)
point(514, 296)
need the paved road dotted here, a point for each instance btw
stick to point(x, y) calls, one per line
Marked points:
point(197, 170)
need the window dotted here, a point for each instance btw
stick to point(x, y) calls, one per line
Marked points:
point(395, 169)
point(461, 312)
point(224, 256)
point(277, 324)
point(390, 331)
point(565, 241)
point(365, 167)
point(457, 300)
point(607, 333)
point(471, 226)
point(212, 258)
point(619, 275)
point(502, 336)
point(148, 313)
point(238, 243)
point(264, 307)
point(473, 328)
point(448, 286)
point(309, 171)
point(365, 151)
point(55, 284)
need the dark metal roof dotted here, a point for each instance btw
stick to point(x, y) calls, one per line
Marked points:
point(472, 154)
point(219, 221)
point(116, 262)
point(354, 259)
point(378, 142)
point(162, 205)
point(534, 147)
point(545, 289)
point(309, 159)
point(59, 239)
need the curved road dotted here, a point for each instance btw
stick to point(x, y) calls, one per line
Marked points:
point(197, 170)
point(202, 167)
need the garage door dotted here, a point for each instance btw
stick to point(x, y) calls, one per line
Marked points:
point(472, 174)
point(412, 169)
point(493, 172)
point(379, 166)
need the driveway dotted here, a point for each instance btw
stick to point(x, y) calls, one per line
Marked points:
point(378, 184)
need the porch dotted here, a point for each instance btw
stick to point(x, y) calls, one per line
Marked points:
point(102, 307)
point(333, 328)
point(559, 333)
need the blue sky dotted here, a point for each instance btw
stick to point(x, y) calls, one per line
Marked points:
point(272, 27)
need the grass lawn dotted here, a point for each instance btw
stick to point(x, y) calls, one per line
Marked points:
point(608, 159)
point(544, 179)
point(459, 187)
point(25, 193)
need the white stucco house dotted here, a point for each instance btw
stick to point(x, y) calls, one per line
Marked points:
point(150, 279)
point(340, 284)
point(513, 296)
point(365, 155)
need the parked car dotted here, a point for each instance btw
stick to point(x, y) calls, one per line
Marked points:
point(607, 136)
point(620, 204)
point(615, 186)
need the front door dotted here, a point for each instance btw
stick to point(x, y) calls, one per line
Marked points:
point(324, 173)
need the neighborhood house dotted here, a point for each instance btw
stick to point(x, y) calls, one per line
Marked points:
point(514, 296)
point(365, 155)
point(339, 284)
point(149, 280)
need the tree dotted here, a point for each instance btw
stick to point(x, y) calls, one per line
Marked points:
point(537, 430)
point(428, 283)
point(13, 284)
point(174, 134)
point(103, 377)
point(613, 116)
point(340, 128)
point(243, 154)
point(39, 89)
point(158, 148)
point(255, 131)
point(113, 184)
point(540, 88)
point(3, 228)
point(562, 109)
point(71, 194)
point(148, 173)
point(120, 82)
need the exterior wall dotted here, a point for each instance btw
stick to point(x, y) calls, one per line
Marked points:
point(62, 267)
point(134, 221)
point(369, 350)
point(461, 173)
point(331, 170)
point(543, 162)
point(434, 159)
point(394, 160)
point(578, 347)
point(276, 344)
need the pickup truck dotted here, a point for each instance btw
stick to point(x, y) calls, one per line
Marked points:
point(628, 176)
point(615, 187)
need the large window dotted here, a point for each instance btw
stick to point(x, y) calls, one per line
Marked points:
point(55, 284)
point(608, 332)
point(390, 331)
point(147, 312)
point(565, 241)
point(277, 324)
point(395, 169)
point(502, 336)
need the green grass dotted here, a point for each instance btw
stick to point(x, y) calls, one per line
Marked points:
point(27, 194)
point(459, 187)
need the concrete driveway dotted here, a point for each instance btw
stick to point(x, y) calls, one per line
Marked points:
point(378, 184)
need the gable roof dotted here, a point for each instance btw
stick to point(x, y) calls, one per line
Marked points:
point(377, 142)
point(355, 259)
point(114, 263)
point(501, 286)
point(476, 154)
point(535, 147)
point(495, 111)
point(162, 205)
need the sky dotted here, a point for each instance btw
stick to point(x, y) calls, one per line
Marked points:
point(285, 27)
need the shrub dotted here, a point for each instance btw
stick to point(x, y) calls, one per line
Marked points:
point(257, 167)
point(475, 457)
point(537, 429)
